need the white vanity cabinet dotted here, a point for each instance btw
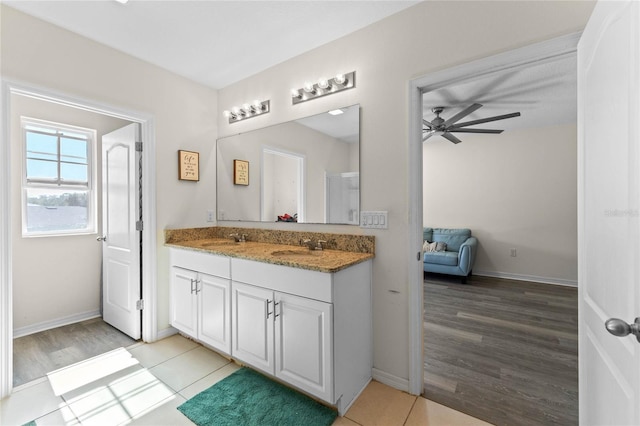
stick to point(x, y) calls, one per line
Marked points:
point(286, 336)
point(310, 329)
point(200, 297)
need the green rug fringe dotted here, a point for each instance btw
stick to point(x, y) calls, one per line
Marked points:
point(249, 398)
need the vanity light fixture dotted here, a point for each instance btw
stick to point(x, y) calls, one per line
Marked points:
point(323, 87)
point(247, 111)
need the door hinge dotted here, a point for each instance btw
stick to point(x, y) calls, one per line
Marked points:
point(140, 304)
point(139, 225)
point(138, 146)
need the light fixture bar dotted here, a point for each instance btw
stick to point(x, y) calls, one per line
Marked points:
point(323, 87)
point(247, 111)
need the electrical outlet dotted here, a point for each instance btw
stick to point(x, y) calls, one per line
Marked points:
point(514, 252)
point(210, 216)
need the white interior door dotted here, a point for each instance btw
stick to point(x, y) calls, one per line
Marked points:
point(121, 241)
point(608, 210)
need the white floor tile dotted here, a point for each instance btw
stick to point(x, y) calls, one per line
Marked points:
point(29, 403)
point(164, 413)
point(188, 368)
point(63, 416)
point(210, 380)
point(76, 376)
point(152, 354)
point(120, 400)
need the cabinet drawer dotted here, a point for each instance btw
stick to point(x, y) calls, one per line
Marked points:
point(211, 264)
point(302, 282)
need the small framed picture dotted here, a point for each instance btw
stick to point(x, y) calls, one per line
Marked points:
point(188, 165)
point(240, 172)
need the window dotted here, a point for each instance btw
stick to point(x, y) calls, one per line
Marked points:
point(58, 196)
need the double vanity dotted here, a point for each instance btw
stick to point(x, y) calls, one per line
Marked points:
point(278, 304)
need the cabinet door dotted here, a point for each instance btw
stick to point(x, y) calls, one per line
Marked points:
point(214, 307)
point(252, 326)
point(304, 344)
point(183, 301)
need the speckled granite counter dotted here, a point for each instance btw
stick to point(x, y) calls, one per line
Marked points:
point(277, 247)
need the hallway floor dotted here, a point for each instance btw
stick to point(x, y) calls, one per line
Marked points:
point(37, 354)
point(144, 383)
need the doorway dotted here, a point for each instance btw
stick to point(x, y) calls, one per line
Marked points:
point(6, 245)
point(282, 185)
point(535, 54)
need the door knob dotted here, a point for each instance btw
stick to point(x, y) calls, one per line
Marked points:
point(102, 238)
point(619, 328)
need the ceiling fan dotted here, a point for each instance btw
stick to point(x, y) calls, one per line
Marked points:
point(441, 127)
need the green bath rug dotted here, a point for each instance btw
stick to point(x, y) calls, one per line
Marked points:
point(249, 398)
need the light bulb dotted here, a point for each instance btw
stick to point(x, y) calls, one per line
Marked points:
point(246, 107)
point(308, 87)
point(226, 113)
point(340, 79)
point(323, 83)
point(295, 93)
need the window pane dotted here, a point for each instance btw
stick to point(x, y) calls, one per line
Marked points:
point(51, 210)
point(39, 169)
point(73, 172)
point(42, 146)
point(73, 150)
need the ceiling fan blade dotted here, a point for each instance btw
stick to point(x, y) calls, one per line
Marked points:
point(427, 123)
point(475, 131)
point(431, 133)
point(484, 120)
point(468, 110)
point(450, 137)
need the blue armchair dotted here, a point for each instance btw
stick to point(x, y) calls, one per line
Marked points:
point(459, 256)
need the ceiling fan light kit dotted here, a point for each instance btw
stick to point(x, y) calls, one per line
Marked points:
point(441, 127)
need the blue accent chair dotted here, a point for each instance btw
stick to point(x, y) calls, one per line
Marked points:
point(459, 256)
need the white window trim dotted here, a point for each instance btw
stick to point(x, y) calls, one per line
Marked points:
point(92, 214)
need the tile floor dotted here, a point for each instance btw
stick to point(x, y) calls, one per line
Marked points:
point(144, 383)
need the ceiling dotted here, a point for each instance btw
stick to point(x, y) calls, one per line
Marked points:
point(545, 95)
point(215, 43)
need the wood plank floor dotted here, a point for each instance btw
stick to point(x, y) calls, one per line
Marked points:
point(503, 351)
point(37, 354)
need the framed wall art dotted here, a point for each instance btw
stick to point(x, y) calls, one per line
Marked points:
point(241, 172)
point(188, 165)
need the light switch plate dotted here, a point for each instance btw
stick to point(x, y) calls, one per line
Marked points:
point(374, 219)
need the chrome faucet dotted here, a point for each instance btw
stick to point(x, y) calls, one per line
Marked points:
point(317, 245)
point(239, 238)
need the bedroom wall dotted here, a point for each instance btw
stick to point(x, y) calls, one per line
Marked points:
point(46, 270)
point(515, 190)
point(386, 55)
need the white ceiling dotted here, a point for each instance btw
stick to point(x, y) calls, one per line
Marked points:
point(215, 43)
point(545, 95)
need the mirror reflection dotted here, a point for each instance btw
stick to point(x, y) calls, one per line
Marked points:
point(305, 171)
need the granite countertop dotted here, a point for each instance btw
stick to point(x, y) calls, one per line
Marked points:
point(279, 254)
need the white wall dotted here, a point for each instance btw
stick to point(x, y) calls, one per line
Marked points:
point(53, 277)
point(41, 54)
point(514, 190)
point(430, 36)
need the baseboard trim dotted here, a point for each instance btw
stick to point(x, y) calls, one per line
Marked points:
point(533, 278)
point(390, 380)
point(58, 322)
point(167, 332)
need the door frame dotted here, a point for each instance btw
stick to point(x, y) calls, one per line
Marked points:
point(541, 52)
point(149, 290)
